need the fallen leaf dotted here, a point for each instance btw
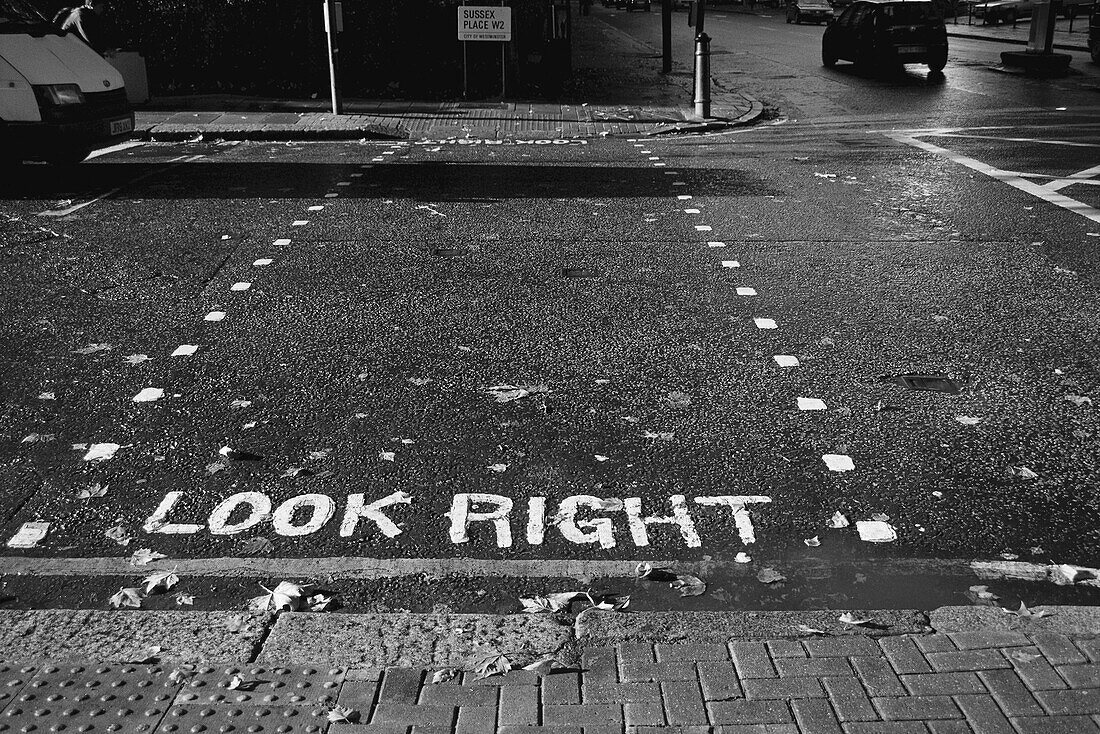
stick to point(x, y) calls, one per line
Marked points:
point(611, 603)
point(148, 655)
point(96, 490)
point(600, 457)
point(160, 581)
point(1023, 657)
point(610, 504)
point(808, 630)
point(981, 592)
point(442, 676)
point(1073, 574)
point(550, 602)
point(183, 600)
point(126, 597)
point(812, 542)
point(296, 471)
point(510, 393)
point(237, 455)
point(145, 556)
point(318, 455)
point(216, 466)
point(967, 420)
point(387, 455)
point(1078, 400)
point(234, 683)
point(742, 557)
point(498, 468)
point(1023, 472)
point(542, 666)
point(284, 597)
point(689, 585)
point(338, 714)
point(852, 618)
point(180, 676)
point(876, 531)
point(837, 521)
point(120, 534)
point(420, 381)
point(47, 396)
point(321, 603)
point(769, 575)
point(490, 664)
point(100, 451)
point(880, 517)
point(240, 404)
point(39, 438)
point(1024, 613)
point(135, 359)
point(256, 547)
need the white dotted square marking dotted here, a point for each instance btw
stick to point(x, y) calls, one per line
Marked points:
point(645, 151)
point(317, 208)
point(838, 462)
point(716, 244)
point(240, 286)
point(703, 228)
point(765, 324)
point(671, 173)
point(331, 196)
point(263, 261)
point(730, 264)
point(185, 350)
point(357, 175)
point(745, 291)
point(691, 211)
point(214, 316)
point(344, 183)
point(387, 152)
point(281, 243)
point(655, 158)
point(683, 197)
point(300, 222)
point(811, 404)
point(677, 183)
point(658, 165)
point(785, 360)
point(379, 159)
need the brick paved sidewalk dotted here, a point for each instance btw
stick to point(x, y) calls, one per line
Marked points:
point(984, 682)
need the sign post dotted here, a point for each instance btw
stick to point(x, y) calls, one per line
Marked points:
point(486, 23)
point(334, 24)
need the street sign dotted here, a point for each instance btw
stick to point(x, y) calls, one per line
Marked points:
point(479, 23)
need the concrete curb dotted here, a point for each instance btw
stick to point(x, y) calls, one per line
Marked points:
point(1013, 41)
point(451, 640)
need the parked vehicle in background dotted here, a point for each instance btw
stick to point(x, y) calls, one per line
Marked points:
point(811, 11)
point(886, 33)
point(61, 100)
point(1002, 11)
point(631, 5)
point(1094, 37)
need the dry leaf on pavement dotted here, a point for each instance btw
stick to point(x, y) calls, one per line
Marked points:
point(338, 714)
point(160, 581)
point(812, 542)
point(689, 585)
point(1024, 613)
point(321, 603)
point(542, 666)
point(145, 556)
point(284, 597)
point(805, 629)
point(510, 393)
point(490, 664)
point(770, 576)
point(550, 602)
point(852, 618)
point(1023, 472)
point(838, 520)
point(185, 600)
point(96, 490)
point(126, 597)
point(442, 676)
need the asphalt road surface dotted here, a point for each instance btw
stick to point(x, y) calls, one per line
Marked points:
point(679, 349)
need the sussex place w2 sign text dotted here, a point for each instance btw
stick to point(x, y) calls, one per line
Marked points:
point(476, 23)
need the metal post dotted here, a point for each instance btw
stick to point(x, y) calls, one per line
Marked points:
point(333, 26)
point(702, 75)
point(503, 75)
point(666, 36)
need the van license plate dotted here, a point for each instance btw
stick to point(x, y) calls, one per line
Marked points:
point(912, 49)
point(118, 127)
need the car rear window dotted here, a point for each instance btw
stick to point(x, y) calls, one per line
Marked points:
point(909, 13)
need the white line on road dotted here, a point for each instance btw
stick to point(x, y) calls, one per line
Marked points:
point(112, 192)
point(1007, 177)
point(115, 149)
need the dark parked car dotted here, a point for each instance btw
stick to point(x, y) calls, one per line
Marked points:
point(881, 33)
point(813, 11)
point(630, 5)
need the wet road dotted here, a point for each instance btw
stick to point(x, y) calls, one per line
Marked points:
point(705, 330)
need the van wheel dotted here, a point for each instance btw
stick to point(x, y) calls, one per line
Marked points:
point(937, 62)
point(827, 57)
point(68, 156)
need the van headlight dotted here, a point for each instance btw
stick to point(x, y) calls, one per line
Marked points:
point(58, 94)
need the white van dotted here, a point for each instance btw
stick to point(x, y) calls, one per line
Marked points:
point(59, 100)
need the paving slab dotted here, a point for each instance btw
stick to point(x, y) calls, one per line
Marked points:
point(130, 636)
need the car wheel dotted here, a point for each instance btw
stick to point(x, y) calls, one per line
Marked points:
point(828, 58)
point(937, 62)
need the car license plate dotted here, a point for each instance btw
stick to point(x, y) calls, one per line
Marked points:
point(118, 127)
point(912, 49)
